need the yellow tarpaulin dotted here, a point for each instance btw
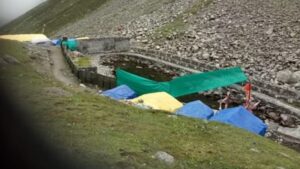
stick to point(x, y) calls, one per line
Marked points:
point(23, 37)
point(159, 101)
point(82, 38)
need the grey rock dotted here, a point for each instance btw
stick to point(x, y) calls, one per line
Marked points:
point(287, 120)
point(205, 55)
point(293, 132)
point(164, 157)
point(274, 116)
point(284, 76)
point(272, 126)
point(195, 48)
point(295, 77)
point(10, 59)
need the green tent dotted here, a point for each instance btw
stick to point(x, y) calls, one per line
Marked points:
point(184, 85)
point(71, 44)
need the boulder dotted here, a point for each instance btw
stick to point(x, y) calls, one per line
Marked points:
point(295, 77)
point(287, 120)
point(164, 157)
point(293, 132)
point(284, 76)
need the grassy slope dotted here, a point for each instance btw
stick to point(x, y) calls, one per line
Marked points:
point(97, 131)
point(54, 13)
point(178, 26)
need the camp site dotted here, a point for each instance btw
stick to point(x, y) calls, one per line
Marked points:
point(152, 84)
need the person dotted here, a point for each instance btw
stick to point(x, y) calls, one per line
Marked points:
point(247, 88)
point(63, 44)
point(225, 101)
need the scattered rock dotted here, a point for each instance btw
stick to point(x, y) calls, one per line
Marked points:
point(10, 59)
point(255, 150)
point(295, 77)
point(272, 126)
point(270, 30)
point(284, 76)
point(287, 120)
point(293, 132)
point(165, 157)
point(274, 116)
point(82, 85)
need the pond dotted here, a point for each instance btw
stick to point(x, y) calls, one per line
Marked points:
point(159, 73)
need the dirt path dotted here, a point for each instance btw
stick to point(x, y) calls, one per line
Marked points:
point(60, 69)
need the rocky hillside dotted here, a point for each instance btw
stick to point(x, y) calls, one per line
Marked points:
point(262, 36)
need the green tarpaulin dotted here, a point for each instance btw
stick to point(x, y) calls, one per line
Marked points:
point(71, 44)
point(184, 85)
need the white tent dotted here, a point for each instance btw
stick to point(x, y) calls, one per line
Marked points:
point(39, 40)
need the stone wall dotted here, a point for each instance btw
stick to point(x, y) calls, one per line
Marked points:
point(279, 92)
point(89, 74)
point(103, 45)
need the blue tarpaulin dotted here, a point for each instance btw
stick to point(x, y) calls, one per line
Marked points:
point(196, 109)
point(242, 118)
point(56, 42)
point(120, 92)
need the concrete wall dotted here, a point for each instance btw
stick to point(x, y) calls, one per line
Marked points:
point(103, 45)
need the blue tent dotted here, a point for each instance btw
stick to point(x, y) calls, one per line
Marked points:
point(196, 109)
point(56, 42)
point(120, 92)
point(242, 118)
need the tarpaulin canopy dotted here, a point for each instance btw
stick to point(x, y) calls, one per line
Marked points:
point(159, 101)
point(196, 109)
point(39, 40)
point(23, 37)
point(71, 44)
point(184, 85)
point(120, 92)
point(242, 118)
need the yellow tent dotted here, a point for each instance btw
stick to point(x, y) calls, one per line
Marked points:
point(159, 101)
point(23, 37)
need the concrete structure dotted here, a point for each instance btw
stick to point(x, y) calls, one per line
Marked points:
point(103, 45)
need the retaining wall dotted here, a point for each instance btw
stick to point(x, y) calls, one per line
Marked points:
point(90, 75)
point(103, 45)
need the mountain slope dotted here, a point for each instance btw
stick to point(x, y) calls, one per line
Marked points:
point(54, 14)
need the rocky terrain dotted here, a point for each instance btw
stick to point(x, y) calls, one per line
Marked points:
point(262, 36)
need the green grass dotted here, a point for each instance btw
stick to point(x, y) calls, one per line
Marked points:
point(178, 26)
point(98, 132)
point(55, 14)
point(83, 61)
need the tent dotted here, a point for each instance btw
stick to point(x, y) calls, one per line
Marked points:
point(56, 42)
point(196, 109)
point(71, 44)
point(184, 85)
point(23, 37)
point(242, 118)
point(40, 40)
point(159, 101)
point(120, 92)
